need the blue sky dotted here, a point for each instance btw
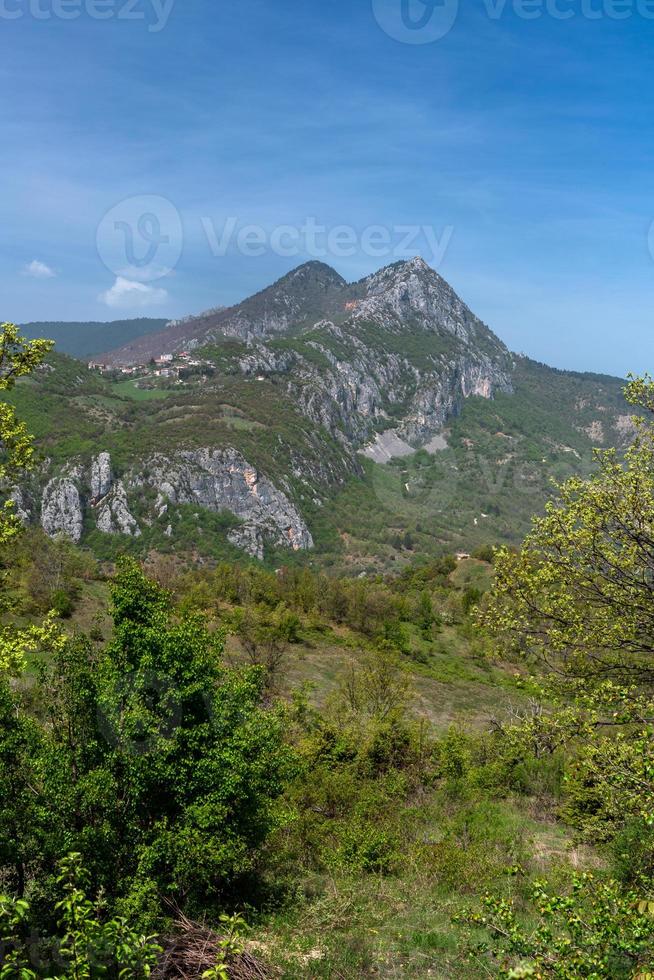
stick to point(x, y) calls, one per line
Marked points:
point(524, 145)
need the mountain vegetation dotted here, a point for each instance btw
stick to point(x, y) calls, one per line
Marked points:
point(441, 768)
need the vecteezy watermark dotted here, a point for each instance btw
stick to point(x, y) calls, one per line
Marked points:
point(416, 21)
point(569, 9)
point(316, 241)
point(431, 483)
point(426, 21)
point(650, 240)
point(143, 709)
point(153, 13)
point(141, 238)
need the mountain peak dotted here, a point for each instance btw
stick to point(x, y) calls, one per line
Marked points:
point(418, 264)
point(400, 271)
point(316, 271)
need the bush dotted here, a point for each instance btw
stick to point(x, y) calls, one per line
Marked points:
point(365, 848)
point(594, 930)
point(62, 604)
point(153, 760)
point(633, 855)
point(86, 944)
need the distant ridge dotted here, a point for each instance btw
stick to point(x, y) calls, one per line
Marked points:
point(86, 339)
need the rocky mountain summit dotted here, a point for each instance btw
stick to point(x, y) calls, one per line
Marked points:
point(298, 298)
point(399, 349)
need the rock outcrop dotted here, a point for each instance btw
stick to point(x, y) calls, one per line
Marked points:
point(61, 506)
point(213, 480)
point(405, 349)
point(101, 476)
point(380, 365)
point(222, 480)
point(113, 513)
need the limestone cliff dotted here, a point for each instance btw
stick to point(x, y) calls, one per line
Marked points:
point(215, 480)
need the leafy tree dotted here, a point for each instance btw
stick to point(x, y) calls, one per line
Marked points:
point(87, 945)
point(376, 688)
point(19, 809)
point(190, 759)
point(18, 357)
point(578, 599)
point(150, 758)
point(594, 931)
point(426, 618)
point(49, 571)
point(265, 636)
point(581, 590)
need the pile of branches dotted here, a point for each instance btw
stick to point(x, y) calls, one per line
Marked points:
point(191, 949)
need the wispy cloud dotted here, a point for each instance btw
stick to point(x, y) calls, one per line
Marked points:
point(128, 295)
point(38, 270)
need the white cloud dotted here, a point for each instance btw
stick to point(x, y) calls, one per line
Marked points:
point(128, 295)
point(39, 270)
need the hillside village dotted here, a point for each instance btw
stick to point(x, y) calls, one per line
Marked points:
point(176, 367)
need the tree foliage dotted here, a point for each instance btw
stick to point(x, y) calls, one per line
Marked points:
point(18, 357)
point(580, 592)
point(87, 945)
point(596, 931)
point(156, 762)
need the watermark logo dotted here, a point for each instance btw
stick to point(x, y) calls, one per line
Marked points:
point(426, 21)
point(153, 13)
point(415, 487)
point(141, 238)
point(427, 484)
point(142, 711)
point(317, 241)
point(416, 21)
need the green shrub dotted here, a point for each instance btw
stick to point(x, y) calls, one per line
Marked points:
point(62, 604)
point(88, 945)
point(365, 848)
point(633, 855)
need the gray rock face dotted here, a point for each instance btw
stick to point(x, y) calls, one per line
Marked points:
point(101, 477)
point(249, 539)
point(411, 290)
point(400, 344)
point(113, 514)
point(221, 480)
point(215, 480)
point(380, 365)
point(61, 507)
point(387, 446)
point(358, 378)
